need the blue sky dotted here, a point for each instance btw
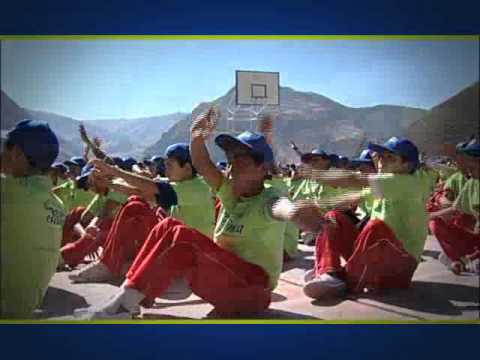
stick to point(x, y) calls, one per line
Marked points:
point(119, 78)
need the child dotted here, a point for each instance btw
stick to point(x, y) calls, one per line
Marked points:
point(385, 253)
point(185, 196)
point(237, 271)
point(31, 218)
point(459, 236)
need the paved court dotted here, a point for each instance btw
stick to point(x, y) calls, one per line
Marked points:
point(435, 294)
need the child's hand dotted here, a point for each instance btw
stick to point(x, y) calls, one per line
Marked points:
point(205, 124)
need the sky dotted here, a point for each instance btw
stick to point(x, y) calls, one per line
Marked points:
point(101, 79)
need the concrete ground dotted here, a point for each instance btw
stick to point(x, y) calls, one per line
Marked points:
point(435, 294)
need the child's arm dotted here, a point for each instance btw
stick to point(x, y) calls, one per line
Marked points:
point(341, 178)
point(201, 129)
point(143, 184)
point(309, 214)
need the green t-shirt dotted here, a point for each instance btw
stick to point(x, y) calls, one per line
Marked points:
point(364, 208)
point(196, 207)
point(292, 185)
point(469, 198)
point(245, 226)
point(399, 200)
point(456, 182)
point(291, 230)
point(73, 197)
point(31, 231)
point(307, 190)
point(98, 202)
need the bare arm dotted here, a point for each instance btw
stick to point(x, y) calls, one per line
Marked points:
point(309, 214)
point(145, 185)
point(126, 189)
point(201, 129)
point(94, 146)
point(338, 178)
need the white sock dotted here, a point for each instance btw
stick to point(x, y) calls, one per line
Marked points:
point(131, 298)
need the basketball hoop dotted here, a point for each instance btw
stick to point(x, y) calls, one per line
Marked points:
point(255, 93)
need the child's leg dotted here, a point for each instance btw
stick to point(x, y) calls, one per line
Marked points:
point(71, 219)
point(455, 241)
point(379, 260)
point(129, 230)
point(218, 276)
point(334, 242)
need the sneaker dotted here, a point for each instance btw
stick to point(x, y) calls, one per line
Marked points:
point(93, 272)
point(324, 286)
point(457, 267)
point(94, 313)
point(444, 259)
point(309, 275)
point(472, 265)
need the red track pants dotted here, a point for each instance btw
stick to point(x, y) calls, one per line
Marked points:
point(128, 232)
point(218, 276)
point(455, 236)
point(375, 258)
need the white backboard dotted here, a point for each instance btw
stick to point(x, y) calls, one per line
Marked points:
point(257, 88)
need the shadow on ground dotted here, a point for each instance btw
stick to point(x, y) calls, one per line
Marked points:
point(300, 261)
point(269, 314)
point(429, 297)
point(58, 302)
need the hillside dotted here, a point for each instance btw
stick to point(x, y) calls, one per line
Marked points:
point(310, 120)
point(147, 129)
point(123, 137)
point(11, 113)
point(450, 122)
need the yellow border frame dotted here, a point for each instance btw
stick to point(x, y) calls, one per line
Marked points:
point(245, 37)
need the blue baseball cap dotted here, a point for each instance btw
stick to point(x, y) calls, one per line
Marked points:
point(179, 151)
point(159, 163)
point(249, 142)
point(82, 180)
point(398, 146)
point(147, 162)
point(461, 145)
point(222, 165)
point(127, 163)
point(76, 161)
point(364, 158)
point(60, 167)
point(315, 153)
point(343, 160)
point(157, 158)
point(118, 161)
point(471, 149)
point(37, 141)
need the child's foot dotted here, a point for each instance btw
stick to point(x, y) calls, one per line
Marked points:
point(94, 272)
point(325, 286)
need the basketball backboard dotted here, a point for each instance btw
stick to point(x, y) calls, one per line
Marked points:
point(257, 88)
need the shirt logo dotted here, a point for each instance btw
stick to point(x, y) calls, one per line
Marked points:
point(55, 213)
point(230, 226)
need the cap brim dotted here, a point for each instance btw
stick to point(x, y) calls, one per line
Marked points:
point(70, 163)
point(231, 144)
point(378, 148)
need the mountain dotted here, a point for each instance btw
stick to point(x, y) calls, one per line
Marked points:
point(123, 137)
point(147, 129)
point(448, 123)
point(309, 119)
point(11, 114)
